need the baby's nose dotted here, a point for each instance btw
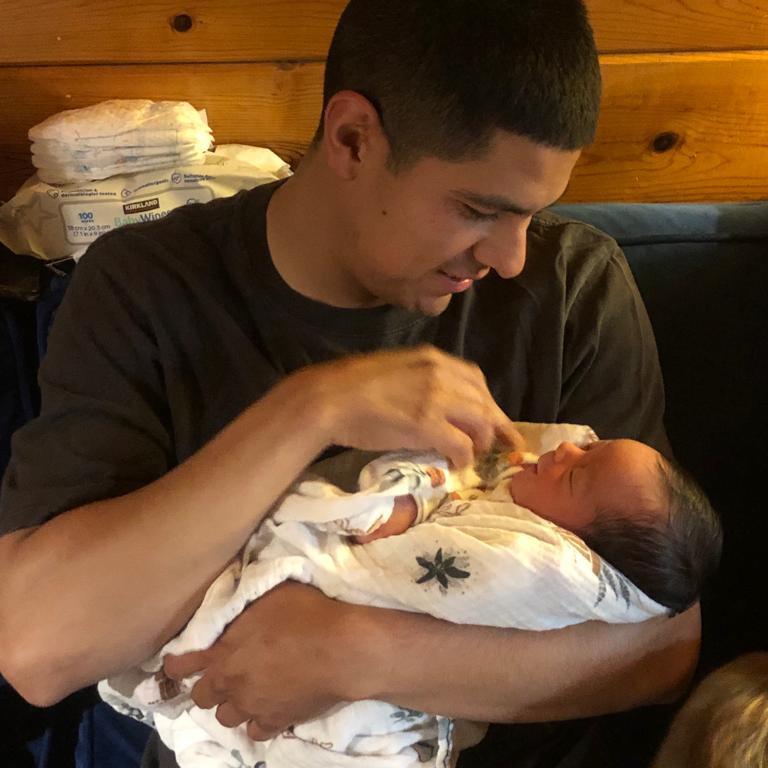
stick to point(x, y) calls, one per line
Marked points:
point(566, 451)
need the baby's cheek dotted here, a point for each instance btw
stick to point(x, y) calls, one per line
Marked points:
point(522, 489)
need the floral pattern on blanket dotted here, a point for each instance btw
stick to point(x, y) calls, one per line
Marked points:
point(442, 569)
point(608, 577)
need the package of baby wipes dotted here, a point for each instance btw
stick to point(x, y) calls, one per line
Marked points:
point(54, 221)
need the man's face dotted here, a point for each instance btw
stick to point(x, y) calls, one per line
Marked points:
point(423, 234)
point(570, 485)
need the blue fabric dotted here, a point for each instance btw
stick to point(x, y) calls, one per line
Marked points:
point(647, 224)
point(46, 308)
point(80, 732)
point(703, 274)
point(19, 395)
point(109, 740)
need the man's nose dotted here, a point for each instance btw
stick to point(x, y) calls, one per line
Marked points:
point(504, 248)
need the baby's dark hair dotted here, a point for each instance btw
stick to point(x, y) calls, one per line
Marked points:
point(669, 556)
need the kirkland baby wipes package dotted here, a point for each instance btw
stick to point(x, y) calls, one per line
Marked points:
point(53, 221)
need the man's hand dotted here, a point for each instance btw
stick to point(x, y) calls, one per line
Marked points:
point(281, 662)
point(419, 399)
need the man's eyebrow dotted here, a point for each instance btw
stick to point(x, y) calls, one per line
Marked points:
point(494, 202)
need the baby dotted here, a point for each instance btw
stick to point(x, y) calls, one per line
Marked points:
point(630, 505)
point(497, 548)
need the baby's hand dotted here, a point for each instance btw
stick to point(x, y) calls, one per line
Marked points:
point(402, 518)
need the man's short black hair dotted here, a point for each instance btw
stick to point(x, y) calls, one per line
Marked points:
point(445, 75)
point(669, 555)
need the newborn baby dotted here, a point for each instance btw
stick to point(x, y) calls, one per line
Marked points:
point(492, 545)
point(624, 499)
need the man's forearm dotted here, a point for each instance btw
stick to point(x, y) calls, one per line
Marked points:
point(502, 675)
point(104, 585)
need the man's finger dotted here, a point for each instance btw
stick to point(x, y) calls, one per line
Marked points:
point(262, 732)
point(179, 667)
point(206, 695)
point(456, 445)
point(507, 433)
point(230, 716)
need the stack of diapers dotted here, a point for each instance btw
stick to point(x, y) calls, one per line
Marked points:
point(116, 137)
point(488, 562)
point(122, 162)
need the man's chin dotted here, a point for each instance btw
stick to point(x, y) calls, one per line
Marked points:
point(432, 305)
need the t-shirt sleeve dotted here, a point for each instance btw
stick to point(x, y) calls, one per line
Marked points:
point(103, 428)
point(611, 374)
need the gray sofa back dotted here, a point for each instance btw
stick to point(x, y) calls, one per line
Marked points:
point(703, 273)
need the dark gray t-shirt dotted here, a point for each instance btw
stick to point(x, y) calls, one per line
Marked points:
point(170, 329)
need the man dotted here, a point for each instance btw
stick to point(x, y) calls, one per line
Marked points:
point(199, 364)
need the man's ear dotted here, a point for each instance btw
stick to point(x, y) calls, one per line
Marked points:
point(352, 134)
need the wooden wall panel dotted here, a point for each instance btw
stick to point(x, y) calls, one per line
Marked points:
point(707, 111)
point(266, 104)
point(674, 126)
point(141, 31)
point(679, 127)
point(679, 25)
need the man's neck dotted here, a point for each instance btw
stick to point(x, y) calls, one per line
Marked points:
point(306, 234)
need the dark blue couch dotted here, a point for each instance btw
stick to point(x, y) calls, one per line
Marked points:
point(703, 272)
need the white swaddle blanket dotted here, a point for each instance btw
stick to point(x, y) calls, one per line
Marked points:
point(486, 561)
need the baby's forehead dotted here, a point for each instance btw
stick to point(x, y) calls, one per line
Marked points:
point(623, 452)
point(625, 472)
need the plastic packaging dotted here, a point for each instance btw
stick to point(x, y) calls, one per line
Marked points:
point(116, 137)
point(54, 222)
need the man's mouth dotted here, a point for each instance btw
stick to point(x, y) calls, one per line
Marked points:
point(456, 278)
point(455, 283)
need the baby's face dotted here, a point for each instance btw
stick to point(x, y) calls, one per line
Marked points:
point(570, 485)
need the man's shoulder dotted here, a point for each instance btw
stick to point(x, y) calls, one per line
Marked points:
point(569, 252)
point(568, 237)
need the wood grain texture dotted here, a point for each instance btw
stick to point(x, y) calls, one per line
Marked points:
point(679, 25)
point(265, 104)
point(713, 109)
point(141, 31)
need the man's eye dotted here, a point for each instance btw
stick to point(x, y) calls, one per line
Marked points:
point(474, 215)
